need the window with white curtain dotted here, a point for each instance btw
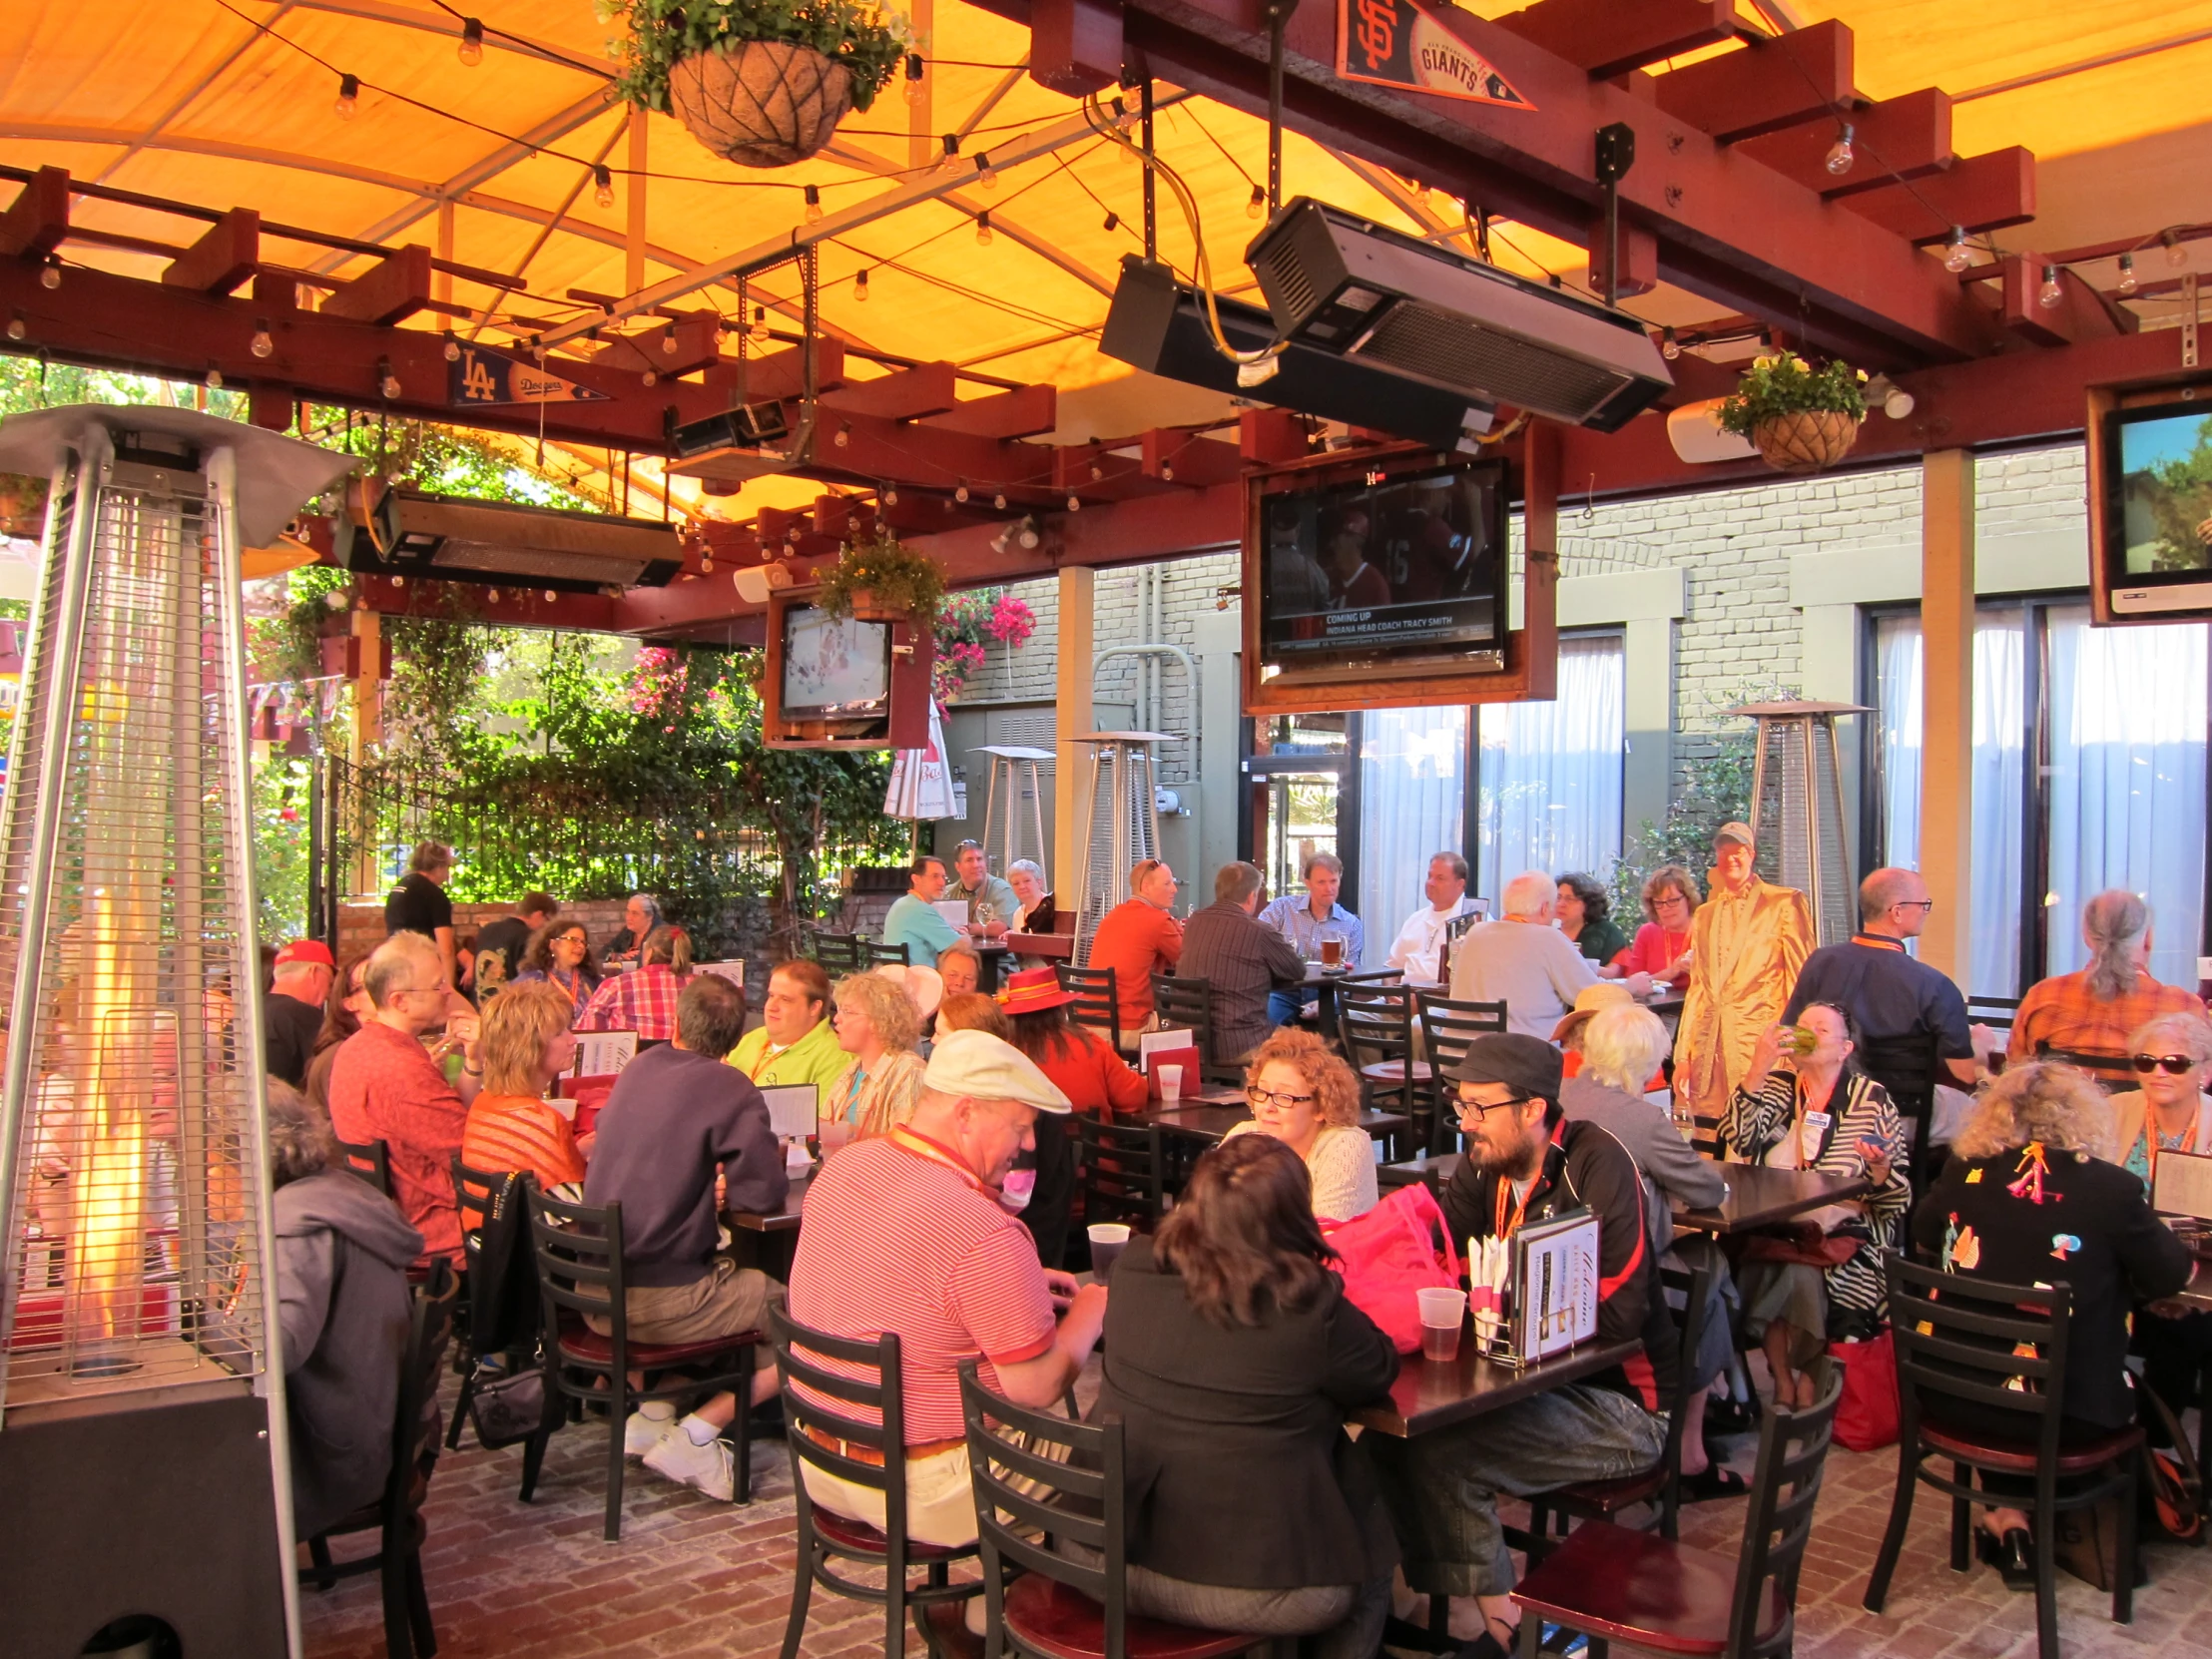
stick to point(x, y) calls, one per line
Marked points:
point(1999, 691)
point(1548, 775)
point(1413, 805)
point(2122, 792)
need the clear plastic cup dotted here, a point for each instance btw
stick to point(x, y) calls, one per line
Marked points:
point(1108, 1239)
point(1442, 1313)
point(1171, 1085)
point(835, 1134)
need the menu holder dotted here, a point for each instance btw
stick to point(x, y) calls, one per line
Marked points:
point(603, 1053)
point(954, 910)
point(731, 970)
point(2182, 1185)
point(1555, 1284)
point(793, 1109)
point(1187, 1058)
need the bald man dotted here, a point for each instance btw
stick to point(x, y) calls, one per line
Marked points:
point(1912, 1018)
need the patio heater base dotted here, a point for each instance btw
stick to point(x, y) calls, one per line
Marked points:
point(156, 1511)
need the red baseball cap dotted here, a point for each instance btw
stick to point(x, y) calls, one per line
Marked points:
point(307, 950)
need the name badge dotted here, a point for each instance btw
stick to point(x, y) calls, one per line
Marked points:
point(1818, 1122)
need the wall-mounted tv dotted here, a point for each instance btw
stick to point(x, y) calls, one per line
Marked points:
point(2154, 507)
point(1382, 570)
point(835, 668)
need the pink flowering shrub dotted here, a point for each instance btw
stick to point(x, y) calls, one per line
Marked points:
point(967, 624)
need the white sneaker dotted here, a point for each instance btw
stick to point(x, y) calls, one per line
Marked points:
point(710, 1467)
point(646, 1430)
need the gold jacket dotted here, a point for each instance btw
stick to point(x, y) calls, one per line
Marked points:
point(1748, 950)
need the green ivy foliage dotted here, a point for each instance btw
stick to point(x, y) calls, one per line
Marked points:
point(662, 33)
point(1783, 385)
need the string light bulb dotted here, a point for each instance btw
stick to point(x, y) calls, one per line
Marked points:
point(2050, 292)
point(1112, 220)
point(17, 328)
point(891, 496)
point(1957, 255)
point(265, 343)
point(652, 377)
point(1839, 154)
point(916, 92)
point(1000, 501)
point(960, 494)
point(986, 174)
point(603, 178)
point(388, 383)
point(471, 49)
point(759, 323)
point(2127, 273)
point(1669, 348)
point(813, 203)
point(983, 228)
point(668, 340)
point(1257, 207)
point(349, 96)
point(452, 347)
point(860, 284)
point(50, 273)
point(1075, 503)
point(2176, 255)
point(215, 378)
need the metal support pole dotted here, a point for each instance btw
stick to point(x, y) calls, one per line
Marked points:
point(1151, 178)
point(1278, 13)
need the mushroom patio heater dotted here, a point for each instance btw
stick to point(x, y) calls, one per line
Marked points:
point(143, 1469)
point(1797, 810)
point(1125, 823)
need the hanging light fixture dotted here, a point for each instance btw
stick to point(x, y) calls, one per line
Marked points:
point(914, 90)
point(265, 343)
point(1075, 503)
point(813, 203)
point(388, 383)
point(960, 494)
point(215, 378)
point(986, 174)
point(859, 283)
point(983, 228)
point(50, 273)
point(1839, 154)
point(471, 49)
point(999, 500)
point(452, 347)
point(348, 98)
point(1112, 220)
point(2127, 273)
point(952, 150)
point(1669, 348)
point(1257, 207)
point(1957, 255)
point(17, 328)
point(2176, 255)
point(2050, 292)
point(603, 178)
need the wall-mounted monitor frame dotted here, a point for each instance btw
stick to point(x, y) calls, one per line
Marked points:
point(899, 720)
point(2149, 462)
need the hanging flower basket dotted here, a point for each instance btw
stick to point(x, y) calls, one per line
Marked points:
point(881, 580)
point(1806, 441)
point(1801, 418)
point(761, 103)
point(867, 607)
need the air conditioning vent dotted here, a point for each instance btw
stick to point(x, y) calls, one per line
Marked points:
point(1448, 351)
point(1291, 280)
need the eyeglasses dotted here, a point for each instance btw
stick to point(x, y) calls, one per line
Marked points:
point(2174, 1065)
point(1260, 1097)
point(1914, 905)
point(1482, 1109)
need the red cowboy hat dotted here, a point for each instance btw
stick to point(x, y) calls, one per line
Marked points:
point(1032, 991)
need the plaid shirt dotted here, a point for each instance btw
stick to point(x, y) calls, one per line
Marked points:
point(642, 1000)
point(385, 1087)
point(2061, 1012)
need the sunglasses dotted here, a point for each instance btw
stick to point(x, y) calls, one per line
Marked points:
point(2174, 1065)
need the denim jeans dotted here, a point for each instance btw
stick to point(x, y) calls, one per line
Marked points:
point(1442, 1488)
point(1283, 1007)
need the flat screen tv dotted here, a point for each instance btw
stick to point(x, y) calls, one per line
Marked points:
point(1391, 572)
point(835, 668)
point(2157, 508)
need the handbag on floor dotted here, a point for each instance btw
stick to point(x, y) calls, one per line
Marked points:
point(1867, 1416)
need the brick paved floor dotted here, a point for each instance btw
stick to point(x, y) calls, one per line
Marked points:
point(692, 1577)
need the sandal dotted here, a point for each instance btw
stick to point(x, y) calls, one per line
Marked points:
point(1713, 1482)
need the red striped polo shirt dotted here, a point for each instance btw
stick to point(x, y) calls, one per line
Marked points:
point(898, 1240)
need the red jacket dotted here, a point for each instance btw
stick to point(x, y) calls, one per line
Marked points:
point(1136, 940)
point(1094, 1077)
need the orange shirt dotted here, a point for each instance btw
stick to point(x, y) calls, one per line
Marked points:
point(513, 1131)
point(1136, 940)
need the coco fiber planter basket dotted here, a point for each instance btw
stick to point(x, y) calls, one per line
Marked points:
point(1806, 441)
point(762, 102)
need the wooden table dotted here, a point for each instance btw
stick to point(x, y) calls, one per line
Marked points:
point(1436, 1393)
point(990, 954)
point(784, 1220)
point(1323, 983)
point(1438, 1167)
point(769, 1239)
point(1761, 1196)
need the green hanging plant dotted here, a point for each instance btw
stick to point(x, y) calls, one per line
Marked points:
point(882, 577)
point(1801, 418)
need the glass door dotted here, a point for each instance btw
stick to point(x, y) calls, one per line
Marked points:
point(1303, 798)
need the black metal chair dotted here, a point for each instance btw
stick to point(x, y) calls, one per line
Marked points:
point(1447, 1027)
point(396, 1515)
point(1660, 1487)
point(865, 1450)
point(370, 1160)
point(1048, 1499)
point(1187, 1004)
point(1121, 1172)
point(1996, 1355)
point(581, 1271)
point(1097, 1001)
point(1615, 1584)
point(838, 953)
point(1374, 1024)
point(2113, 1073)
point(880, 955)
point(1998, 1014)
point(475, 1192)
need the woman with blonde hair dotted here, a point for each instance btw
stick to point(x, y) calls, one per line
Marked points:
point(878, 1025)
point(2027, 1199)
point(1303, 1095)
point(527, 1043)
point(1662, 944)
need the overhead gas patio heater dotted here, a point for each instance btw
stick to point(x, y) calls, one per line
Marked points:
point(143, 1469)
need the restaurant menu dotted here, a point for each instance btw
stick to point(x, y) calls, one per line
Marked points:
point(2182, 1185)
point(603, 1053)
point(1555, 1284)
point(731, 970)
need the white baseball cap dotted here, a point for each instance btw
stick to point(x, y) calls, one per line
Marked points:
point(978, 1064)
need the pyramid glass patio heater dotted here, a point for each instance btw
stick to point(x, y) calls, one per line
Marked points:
point(142, 1471)
point(1797, 810)
point(1124, 824)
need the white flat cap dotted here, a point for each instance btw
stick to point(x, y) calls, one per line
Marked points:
point(991, 1068)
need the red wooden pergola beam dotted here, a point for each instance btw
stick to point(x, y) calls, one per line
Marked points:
point(228, 253)
point(390, 290)
point(2081, 312)
point(1024, 412)
point(37, 220)
point(1604, 38)
point(1908, 137)
point(1767, 84)
point(1728, 229)
point(681, 348)
point(1189, 460)
point(926, 389)
point(1975, 193)
point(775, 376)
point(1096, 472)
